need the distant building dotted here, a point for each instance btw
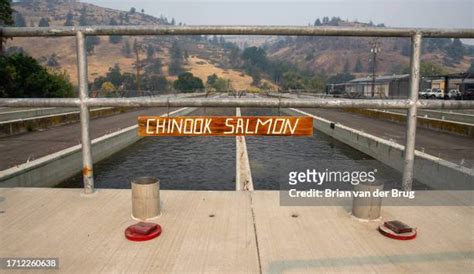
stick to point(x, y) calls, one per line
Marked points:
point(456, 81)
point(398, 86)
point(393, 86)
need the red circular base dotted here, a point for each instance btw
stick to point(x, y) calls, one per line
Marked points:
point(135, 232)
point(390, 234)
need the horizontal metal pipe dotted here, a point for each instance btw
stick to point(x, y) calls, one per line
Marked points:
point(234, 30)
point(40, 102)
point(236, 102)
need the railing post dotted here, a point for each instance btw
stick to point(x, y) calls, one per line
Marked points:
point(409, 162)
point(87, 171)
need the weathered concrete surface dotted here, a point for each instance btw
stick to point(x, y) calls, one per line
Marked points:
point(249, 232)
point(87, 233)
point(327, 240)
point(27, 147)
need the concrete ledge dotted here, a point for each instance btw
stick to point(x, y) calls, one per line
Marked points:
point(52, 169)
point(442, 115)
point(33, 112)
point(243, 174)
point(13, 127)
point(459, 128)
point(432, 171)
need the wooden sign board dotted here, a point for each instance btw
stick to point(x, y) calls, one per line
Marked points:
point(225, 126)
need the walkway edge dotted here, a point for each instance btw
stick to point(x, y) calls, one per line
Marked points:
point(243, 174)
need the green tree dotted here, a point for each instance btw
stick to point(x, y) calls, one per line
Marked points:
point(69, 20)
point(255, 74)
point(127, 48)
point(431, 69)
point(150, 51)
point(358, 66)
point(23, 77)
point(154, 67)
point(114, 39)
point(133, 10)
point(176, 59)
point(346, 66)
point(114, 75)
point(317, 83)
point(406, 49)
point(53, 61)
point(211, 79)
point(186, 82)
point(91, 42)
point(19, 20)
point(44, 22)
point(155, 83)
point(317, 22)
point(83, 17)
point(292, 80)
point(340, 78)
point(222, 85)
point(255, 56)
point(471, 68)
point(6, 12)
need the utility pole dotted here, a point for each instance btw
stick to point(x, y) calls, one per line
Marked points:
point(374, 49)
point(135, 47)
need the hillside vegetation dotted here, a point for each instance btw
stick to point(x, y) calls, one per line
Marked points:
point(338, 54)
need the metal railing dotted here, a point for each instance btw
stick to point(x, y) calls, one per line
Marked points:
point(84, 102)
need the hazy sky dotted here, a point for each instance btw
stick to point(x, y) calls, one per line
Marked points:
point(398, 13)
point(394, 13)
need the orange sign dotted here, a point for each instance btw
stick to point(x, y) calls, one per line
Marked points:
point(225, 126)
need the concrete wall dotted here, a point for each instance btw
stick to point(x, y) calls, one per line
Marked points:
point(33, 112)
point(52, 169)
point(448, 115)
point(458, 128)
point(18, 126)
point(432, 171)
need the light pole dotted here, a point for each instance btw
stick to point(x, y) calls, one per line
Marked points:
point(136, 48)
point(374, 49)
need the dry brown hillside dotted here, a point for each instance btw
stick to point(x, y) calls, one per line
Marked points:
point(334, 54)
point(107, 54)
point(104, 55)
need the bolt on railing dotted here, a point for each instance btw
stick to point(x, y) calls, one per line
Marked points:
point(84, 102)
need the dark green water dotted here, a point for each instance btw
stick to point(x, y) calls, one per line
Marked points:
point(208, 163)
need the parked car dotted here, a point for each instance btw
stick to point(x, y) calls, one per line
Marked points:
point(453, 94)
point(435, 93)
point(468, 94)
point(424, 93)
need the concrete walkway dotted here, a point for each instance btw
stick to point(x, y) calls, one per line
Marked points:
point(227, 232)
point(29, 146)
point(447, 146)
